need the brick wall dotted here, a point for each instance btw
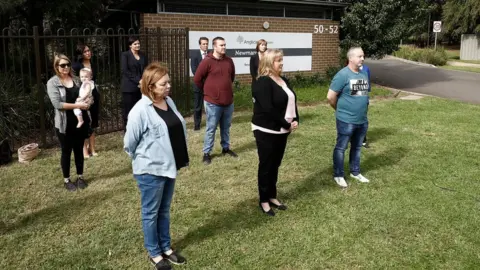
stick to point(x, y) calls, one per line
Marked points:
point(324, 46)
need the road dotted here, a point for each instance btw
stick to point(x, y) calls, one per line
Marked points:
point(458, 85)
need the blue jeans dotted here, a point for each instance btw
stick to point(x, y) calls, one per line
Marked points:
point(353, 133)
point(217, 114)
point(156, 195)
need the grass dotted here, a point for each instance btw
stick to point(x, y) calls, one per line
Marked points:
point(455, 56)
point(460, 68)
point(402, 219)
point(306, 95)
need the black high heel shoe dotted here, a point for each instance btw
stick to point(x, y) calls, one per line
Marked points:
point(280, 206)
point(269, 212)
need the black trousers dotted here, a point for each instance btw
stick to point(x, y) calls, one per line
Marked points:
point(67, 144)
point(129, 99)
point(270, 148)
point(197, 107)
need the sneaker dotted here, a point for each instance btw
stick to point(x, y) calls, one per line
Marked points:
point(365, 145)
point(81, 183)
point(161, 265)
point(226, 151)
point(70, 186)
point(207, 159)
point(340, 181)
point(360, 178)
point(175, 258)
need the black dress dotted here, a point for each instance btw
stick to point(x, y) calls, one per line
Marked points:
point(72, 121)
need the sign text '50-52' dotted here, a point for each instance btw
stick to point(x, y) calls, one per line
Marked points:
point(325, 29)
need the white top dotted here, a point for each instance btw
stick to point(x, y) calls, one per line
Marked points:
point(290, 113)
point(83, 92)
point(203, 54)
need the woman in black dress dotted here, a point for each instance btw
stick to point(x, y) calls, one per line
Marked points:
point(84, 56)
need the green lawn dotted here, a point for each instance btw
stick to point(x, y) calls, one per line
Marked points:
point(454, 55)
point(402, 219)
point(460, 68)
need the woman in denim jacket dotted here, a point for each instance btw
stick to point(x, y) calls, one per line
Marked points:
point(155, 139)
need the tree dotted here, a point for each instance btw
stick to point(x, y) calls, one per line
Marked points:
point(461, 17)
point(67, 13)
point(378, 26)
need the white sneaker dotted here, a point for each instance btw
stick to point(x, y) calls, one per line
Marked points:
point(340, 181)
point(360, 178)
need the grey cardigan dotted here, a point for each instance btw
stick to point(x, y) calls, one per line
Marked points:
point(57, 94)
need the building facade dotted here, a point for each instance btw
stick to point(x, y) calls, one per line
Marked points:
point(307, 31)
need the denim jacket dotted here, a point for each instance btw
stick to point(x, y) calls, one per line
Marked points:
point(147, 140)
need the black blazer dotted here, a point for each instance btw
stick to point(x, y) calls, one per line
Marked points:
point(132, 70)
point(254, 60)
point(194, 63)
point(270, 104)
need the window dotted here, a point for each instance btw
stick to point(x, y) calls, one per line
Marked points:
point(255, 9)
point(249, 8)
point(198, 8)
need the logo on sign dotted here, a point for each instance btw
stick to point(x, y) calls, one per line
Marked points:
point(240, 39)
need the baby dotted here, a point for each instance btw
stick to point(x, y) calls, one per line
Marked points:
point(85, 94)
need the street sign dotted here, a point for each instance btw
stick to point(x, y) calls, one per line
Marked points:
point(437, 26)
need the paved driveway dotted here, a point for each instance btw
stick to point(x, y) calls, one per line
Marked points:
point(458, 85)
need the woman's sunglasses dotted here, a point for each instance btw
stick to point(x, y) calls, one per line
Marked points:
point(64, 65)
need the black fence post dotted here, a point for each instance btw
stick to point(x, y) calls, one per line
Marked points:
point(40, 88)
point(187, 71)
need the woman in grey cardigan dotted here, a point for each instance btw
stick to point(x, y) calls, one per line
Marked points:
point(63, 90)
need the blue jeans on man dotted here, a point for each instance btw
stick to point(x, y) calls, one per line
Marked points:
point(156, 196)
point(217, 114)
point(353, 133)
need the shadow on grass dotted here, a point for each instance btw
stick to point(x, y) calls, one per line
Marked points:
point(376, 134)
point(59, 213)
point(246, 214)
point(117, 173)
point(386, 158)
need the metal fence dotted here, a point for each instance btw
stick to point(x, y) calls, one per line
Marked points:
point(26, 64)
point(470, 47)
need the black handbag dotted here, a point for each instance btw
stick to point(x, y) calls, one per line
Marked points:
point(5, 152)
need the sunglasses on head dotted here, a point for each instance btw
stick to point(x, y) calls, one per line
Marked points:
point(64, 65)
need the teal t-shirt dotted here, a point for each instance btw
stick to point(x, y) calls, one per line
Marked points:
point(353, 97)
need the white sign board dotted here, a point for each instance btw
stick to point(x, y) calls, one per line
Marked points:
point(297, 48)
point(437, 26)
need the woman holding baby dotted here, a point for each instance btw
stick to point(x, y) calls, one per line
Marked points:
point(63, 90)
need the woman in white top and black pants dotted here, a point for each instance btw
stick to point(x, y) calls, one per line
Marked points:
point(275, 115)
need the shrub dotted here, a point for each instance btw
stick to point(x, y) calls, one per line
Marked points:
point(300, 80)
point(331, 71)
point(437, 57)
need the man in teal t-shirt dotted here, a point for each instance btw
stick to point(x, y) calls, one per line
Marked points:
point(348, 95)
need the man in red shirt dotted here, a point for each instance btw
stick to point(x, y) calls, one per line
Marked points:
point(215, 75)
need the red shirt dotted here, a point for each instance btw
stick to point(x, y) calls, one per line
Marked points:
point(215, 77)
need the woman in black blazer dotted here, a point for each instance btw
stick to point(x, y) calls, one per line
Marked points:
point(133, 64)
point(255, 59)
point(275, 115)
